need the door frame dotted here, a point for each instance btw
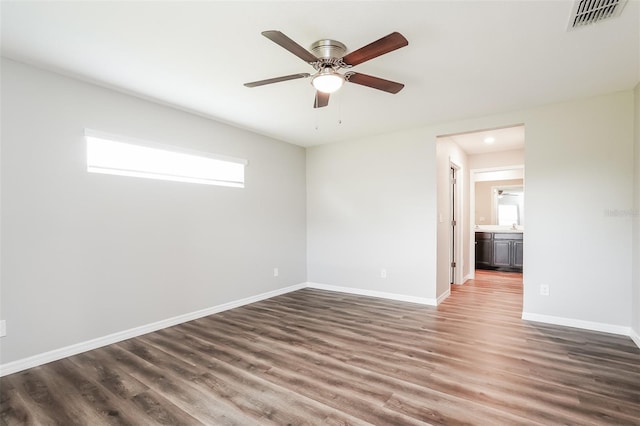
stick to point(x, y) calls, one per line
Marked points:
point(456, 237)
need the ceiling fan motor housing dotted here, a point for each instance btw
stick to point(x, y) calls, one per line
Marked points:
point(328, 49)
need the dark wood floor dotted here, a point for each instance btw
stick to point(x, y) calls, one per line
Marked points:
point(317, 357)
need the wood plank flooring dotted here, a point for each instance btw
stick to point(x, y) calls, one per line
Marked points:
point(320, 358)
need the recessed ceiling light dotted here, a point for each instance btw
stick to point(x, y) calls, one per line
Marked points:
point(489, 140)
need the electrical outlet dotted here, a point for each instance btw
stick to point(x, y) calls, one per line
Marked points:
point(3, 328)
point(544, 290)
point(275, 272)
point(383, 273)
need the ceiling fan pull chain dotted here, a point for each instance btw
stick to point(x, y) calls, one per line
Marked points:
point(315, 115)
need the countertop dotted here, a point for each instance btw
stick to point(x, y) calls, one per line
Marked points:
point(500, 229)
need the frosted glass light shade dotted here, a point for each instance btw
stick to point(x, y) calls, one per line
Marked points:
point(327, 81)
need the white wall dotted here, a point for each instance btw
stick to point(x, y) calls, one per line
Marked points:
point(584, 148)
point(358, 217)
point(85, 255)
point(370, 206)
point(636, 222)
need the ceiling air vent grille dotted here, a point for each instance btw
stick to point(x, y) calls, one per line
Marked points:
point(587, 12)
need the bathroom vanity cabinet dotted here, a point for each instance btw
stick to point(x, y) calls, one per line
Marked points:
point(499, 250)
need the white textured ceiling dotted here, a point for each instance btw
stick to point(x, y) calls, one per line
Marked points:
point(464, 59)
point(504, 139)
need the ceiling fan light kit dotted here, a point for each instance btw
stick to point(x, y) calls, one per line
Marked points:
point(327, 81)
point(327, 57)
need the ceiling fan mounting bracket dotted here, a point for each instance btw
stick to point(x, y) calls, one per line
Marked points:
point(334, 63)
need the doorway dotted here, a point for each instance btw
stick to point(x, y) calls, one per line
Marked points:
point(497, 200)
point(460, 157)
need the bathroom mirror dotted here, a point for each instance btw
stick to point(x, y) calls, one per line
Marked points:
point(486, 200)
point(508, 202)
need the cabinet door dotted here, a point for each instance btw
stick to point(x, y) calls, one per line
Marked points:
point(502, 253)
point(518, 247)
point(484, 251)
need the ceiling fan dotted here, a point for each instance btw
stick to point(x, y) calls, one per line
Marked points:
point(501, 193)
point(328, 58)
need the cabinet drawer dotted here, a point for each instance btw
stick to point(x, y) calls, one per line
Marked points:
point(483, 236)
point(507, 236)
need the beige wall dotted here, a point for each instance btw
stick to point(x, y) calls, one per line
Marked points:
point(484, 199)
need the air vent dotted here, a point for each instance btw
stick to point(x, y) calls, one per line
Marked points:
point(587, 12)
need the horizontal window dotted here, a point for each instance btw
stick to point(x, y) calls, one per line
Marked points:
point(124, 156)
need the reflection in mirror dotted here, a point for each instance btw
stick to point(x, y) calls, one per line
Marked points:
point(486, 204)
point(508, 205)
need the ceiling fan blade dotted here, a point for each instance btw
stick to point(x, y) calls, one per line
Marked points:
point(277, 79)
point(279, 38)
point(386, 44)
point(322, 99)
point(375, 82)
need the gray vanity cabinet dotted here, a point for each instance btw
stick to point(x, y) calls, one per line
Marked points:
point(499, 250)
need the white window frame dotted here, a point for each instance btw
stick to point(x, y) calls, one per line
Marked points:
point(101, 166)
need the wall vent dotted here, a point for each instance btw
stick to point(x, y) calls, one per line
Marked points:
point(586, 12)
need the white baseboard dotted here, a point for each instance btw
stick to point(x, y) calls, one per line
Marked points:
point(56, 354)
point(468, 277)
point(372, 293)
point(570, 322)
point(635, 337)
point(443, 296)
